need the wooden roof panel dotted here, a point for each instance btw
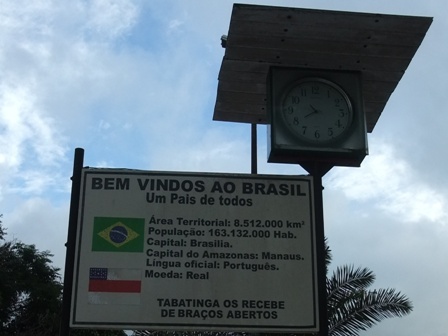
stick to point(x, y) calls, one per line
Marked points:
point(326, 59)
point(326, 18)
point(337, 46)
point(380, 46)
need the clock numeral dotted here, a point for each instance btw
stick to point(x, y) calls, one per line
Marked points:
point(315, 89)
point(303, 92)
point(288, 109)
point(330, 131)
point(317, 134)
point(304, 130)
point(338, 123)
point(337, 101)
point(341, 113)
point(295, 99)
point(296, 121)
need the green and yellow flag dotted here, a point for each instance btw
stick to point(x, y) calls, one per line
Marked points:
point(117, 234)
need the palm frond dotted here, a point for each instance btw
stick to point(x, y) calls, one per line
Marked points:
point(328, 255)
point(346, 280)
point(365, 309)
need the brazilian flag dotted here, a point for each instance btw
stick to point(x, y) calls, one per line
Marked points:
point(116, 234)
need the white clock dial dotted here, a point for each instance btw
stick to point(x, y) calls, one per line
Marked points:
point(317, 110)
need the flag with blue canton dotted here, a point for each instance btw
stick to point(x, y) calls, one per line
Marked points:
point(98, 273)
point(114, 286)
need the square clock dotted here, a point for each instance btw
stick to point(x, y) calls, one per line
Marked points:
point(316, 116)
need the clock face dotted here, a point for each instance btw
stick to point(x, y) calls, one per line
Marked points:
point(317, 111)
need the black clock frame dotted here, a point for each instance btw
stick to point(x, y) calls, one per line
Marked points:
point(284, 147)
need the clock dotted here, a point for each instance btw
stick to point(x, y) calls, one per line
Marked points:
point(316, 115)
point(317, 111)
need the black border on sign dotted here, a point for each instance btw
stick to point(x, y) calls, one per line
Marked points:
point(192, 326)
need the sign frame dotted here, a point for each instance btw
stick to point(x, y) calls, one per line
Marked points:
point(262, 190)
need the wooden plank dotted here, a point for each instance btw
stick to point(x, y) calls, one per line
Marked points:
point(242, 112)
point(286, 44)
point(238, 86)
point(376, 96)
point(322, 32)
point(242, 97)
point(256, 110)
point(234, 116)
point(373, 111)
point(243, 66)
point(327, 60)
point(330, 19)
point(389, 78)
point(230, 70)
point(231, 96)
point(243, 76)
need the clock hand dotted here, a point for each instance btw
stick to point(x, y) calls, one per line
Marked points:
point(315, 110)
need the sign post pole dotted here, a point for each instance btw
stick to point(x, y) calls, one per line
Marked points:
point(71, 240)
point(320, 247)
point(318, 170)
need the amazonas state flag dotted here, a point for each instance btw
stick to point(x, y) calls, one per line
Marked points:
point(117, 234)
point(114, 286)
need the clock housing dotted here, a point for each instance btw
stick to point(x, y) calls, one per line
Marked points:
point(316, 116)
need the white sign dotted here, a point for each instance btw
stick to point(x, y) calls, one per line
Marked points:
point(166, 250)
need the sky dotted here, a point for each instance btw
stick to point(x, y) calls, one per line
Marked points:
point(134, 83)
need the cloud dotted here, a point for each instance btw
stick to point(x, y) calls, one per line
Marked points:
point(46, 229)
point(214, 152)
point(389, 183)
point(174, 25)
point(111, 18)
point(51, 70)
point(31, 145)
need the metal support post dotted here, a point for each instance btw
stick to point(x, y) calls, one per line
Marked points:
point(253, 149)
point(71, 240)
point(318, 170)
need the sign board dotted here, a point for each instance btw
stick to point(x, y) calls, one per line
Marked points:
point(195, 251)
